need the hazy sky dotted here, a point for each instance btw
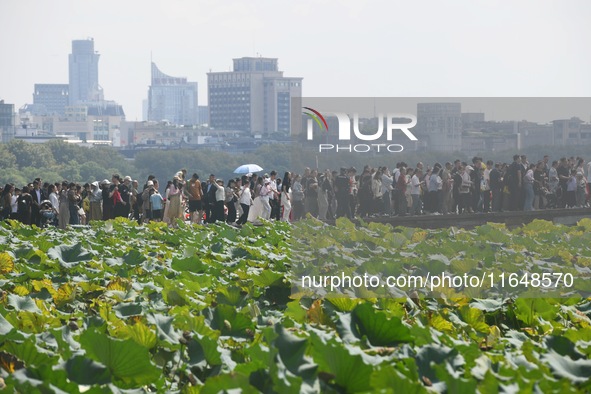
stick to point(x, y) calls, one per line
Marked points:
point(340, 48)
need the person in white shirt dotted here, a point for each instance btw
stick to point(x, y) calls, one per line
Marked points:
point(286, 196)
point(447, 187)
point(14, 204)
point(528, 182)
point(376, 189)
point(435, 185)
point(245, 200)
point(220, 198)
point(256, 209)
point(465, 189)
point(553, 179)
point(53, 198)
point(265, 195)
point(415, 192)
point(387, 181)
point(485, 186)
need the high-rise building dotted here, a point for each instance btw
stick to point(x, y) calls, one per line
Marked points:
point(439, 125)
point(53, 97)
point(203, 114)
point(472, 119)
point(83, 71)
point(254, 97)
point(172, 99)
point(567, 131)
point(7, 117)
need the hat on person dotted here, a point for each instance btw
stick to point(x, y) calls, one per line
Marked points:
point(150, 183)
point(267, 180)
point(469, 168)
point(127, 178)
point(105, 182)
point(95, 184)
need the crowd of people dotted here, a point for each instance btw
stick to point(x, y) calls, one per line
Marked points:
point(451, 188)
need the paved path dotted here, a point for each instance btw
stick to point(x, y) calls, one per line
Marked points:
point(511, 219)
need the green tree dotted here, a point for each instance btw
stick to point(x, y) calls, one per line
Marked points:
point(31, 155)
point(91, 171)
point(64, 152)
point(46, 174)
point(12, 175)
point(71, 171)
point(7, 158)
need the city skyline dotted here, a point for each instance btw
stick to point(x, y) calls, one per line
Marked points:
point(339, 48)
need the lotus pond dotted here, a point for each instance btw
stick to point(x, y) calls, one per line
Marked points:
point(117, 307)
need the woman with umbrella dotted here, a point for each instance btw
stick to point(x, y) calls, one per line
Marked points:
point(248, 168)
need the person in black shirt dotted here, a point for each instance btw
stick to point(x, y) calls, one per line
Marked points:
point(342, 194)
point(209, 199)
point(476, 177)
point(539, 184)
point(24, 204)
point(495, 187)
point(457, 182)
point(563, 177)
point(514, 180)
point(125, 192)
point(107, 200)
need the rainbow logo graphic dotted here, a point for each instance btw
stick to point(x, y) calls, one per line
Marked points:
point(317, 117)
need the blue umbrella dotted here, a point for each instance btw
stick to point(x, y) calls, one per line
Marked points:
point(247, 168)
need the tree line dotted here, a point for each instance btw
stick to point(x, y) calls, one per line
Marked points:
point(54, 161)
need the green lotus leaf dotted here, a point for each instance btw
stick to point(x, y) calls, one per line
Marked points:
point(338, 366)
point(127, 309)
point(28, 352)
point(127, 362)
point(85, 371)
point(228, 383)
point(226, 319)
point(23, 303)
point(192, 264)
point(366, 321)
point(69, 255)
point(202, 349)
point(577, 371)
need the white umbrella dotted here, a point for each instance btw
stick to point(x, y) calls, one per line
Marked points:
point(247, 168)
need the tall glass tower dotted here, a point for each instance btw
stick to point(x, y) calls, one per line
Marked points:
point(83, 65)
point(172, 99)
